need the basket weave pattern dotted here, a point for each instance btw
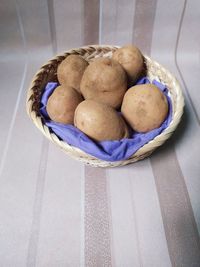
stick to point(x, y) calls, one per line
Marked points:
point(48, 73)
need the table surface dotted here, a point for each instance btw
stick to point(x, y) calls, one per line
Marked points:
point(54, 211)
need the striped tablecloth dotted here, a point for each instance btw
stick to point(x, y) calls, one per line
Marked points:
point(54, 211)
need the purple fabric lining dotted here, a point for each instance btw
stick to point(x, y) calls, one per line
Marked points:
point(105, 150)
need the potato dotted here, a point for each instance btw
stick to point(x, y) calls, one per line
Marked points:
point(62, 104)
point(100, 121)
point(104, 80)
point(144, 107)
point(70, 71)
point(131, 60)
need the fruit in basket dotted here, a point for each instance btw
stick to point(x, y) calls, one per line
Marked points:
point(131, 59)
point(70, 71)
point(62, 104)
point(144, 107)
point(100, 121)
point(104, 80)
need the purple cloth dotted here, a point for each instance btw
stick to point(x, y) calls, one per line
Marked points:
point(105, 150)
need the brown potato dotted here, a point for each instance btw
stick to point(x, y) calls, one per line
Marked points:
point(144, 107)
point(131, 60)
point(100, 121)
point(104, 80)
point(70, 71)
point(62, 103)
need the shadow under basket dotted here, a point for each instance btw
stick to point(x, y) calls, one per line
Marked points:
point(47, 73)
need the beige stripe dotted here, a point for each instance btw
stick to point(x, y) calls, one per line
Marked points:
point(91, 22)
point(35, 227)
point(178, 218)
point(97, 233)
point(143, 24)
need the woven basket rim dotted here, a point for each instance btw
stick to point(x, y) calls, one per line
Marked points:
point(77, 153)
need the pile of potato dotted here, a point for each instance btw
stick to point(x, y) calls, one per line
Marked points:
point(91, 94)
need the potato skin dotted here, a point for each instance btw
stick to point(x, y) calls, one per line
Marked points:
point(104, 80)
point(62, 103)
point(100, 121)
point(70, 71)
point(144, 107)
point(131, 59)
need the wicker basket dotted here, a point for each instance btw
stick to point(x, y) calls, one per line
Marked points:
point(47, 73)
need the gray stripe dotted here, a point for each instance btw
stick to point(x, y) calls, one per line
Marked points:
point(143, 24)
point(52, 25)
point(35, 227)
point(176, 62)
point(97, 233)
point(178, 218)
point(91, 22)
